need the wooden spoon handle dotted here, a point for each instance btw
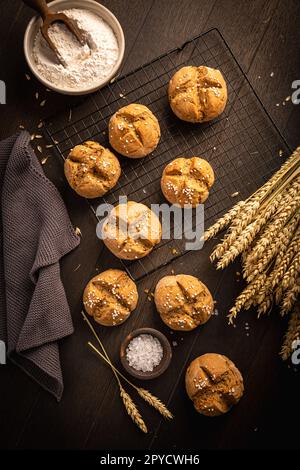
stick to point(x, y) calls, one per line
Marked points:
point(40, 6)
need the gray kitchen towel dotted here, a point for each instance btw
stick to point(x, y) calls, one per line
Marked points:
point(35, 232)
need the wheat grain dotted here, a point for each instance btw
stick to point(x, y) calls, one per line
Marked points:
point(132, 410)
point(155, 402)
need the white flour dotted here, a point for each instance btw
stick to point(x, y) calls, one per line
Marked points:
point(83, 65)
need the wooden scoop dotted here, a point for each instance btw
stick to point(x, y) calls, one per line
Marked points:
point(49, 18)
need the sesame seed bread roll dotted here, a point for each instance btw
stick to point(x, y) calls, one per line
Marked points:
point(183, 302)
point(134, 131)
point(197, 94)
point(92, 170)
point(131, 230)
point(110, 297)
point(187, 181)
point(214, 384)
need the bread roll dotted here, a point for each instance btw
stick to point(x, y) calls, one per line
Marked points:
point(131, 231)
point(134, 131)
point(214, 384)
point(183, 302)
point(92, 170)
point(187, 181)
point(110, 297)
point(197, 94)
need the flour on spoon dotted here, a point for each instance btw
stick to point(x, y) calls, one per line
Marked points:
point(83, 65)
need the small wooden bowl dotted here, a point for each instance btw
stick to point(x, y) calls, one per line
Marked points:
point(162, 366)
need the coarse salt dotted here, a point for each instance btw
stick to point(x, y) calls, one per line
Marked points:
point(144, 353)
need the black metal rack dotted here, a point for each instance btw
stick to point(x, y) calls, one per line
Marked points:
point(243, 145)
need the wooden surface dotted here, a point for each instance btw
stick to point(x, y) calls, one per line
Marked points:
point(265, 38)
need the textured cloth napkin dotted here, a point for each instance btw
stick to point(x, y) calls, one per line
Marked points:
point(35, 232)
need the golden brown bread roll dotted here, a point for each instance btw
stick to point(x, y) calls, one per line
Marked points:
point(131, 230)
point(187, 181)
point(92, 170)
point(197, 94)
point(110, 297)
point(134, 131)
point(183, 302)
point(214, 384)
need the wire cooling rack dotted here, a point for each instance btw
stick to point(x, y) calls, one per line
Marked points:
point(243, 145)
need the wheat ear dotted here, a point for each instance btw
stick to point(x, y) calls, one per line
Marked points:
point(248, 293)
point(132, 410)
point(224, 221)
point(290, 297)
point(235, 230)
point(292, 334)
point(145, 394)
point(155, 403)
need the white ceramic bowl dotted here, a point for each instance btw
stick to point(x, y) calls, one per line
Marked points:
point(56, 5)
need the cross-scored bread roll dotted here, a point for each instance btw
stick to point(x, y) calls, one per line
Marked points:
point(110, 297)
point(214, 384)
point(197, 94)
point(187, 181)
point(92, 170)
point(183, 302)
point(134, 131)
point(131, 230)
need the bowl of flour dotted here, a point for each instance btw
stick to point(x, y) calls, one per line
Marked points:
point(80, 69)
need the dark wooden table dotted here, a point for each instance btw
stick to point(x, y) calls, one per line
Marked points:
point(265, 38)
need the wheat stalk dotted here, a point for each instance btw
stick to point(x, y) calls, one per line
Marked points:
point(155, 403)
point(236, 229)
point(276, 250)
point(248, 235)
point(290, 297)
point(252, 270)
point(145, 394)
point(265, 305)
point(253, 255)
point(291, 274)
point(132, 410)
point(287, 167)
point(292, 334)
point(224, 221)
point(281, 269)
point(265, 231)
point(152, 400)
point(289, 232)
point(247, 294)
point(273, 228)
